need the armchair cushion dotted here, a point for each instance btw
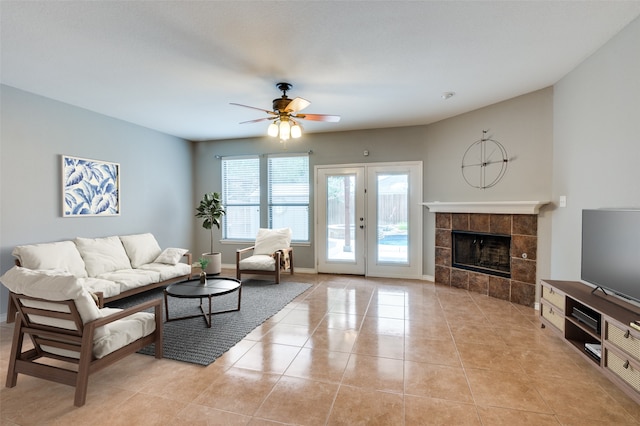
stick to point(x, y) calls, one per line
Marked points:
point(270, 240)
point(49, 285)
point(53, 286)
point(141, 248)
point(259, 262)
point(102, 255)
point(63, 256)
point(120, 333)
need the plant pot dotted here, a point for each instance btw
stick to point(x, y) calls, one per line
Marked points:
point(215, 263)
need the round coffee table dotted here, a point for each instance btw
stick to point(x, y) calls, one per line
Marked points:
point(193, 289)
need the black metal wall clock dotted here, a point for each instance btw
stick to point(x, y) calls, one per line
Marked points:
point(484, 163)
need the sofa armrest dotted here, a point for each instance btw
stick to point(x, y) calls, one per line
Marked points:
point(189, 258)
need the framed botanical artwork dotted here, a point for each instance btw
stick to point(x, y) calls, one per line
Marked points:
point(90, 187)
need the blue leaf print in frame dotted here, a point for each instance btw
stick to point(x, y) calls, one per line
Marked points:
point(90, 187)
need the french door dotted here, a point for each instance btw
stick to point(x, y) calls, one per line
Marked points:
point(369, 219)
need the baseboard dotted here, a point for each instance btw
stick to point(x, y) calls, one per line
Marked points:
point(428, 278)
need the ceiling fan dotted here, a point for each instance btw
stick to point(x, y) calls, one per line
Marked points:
point(285, 114)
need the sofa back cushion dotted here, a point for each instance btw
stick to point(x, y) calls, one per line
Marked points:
point(141, 248)
point(102, 255)
point(61, 256)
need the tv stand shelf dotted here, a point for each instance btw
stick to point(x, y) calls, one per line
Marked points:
point(583, 318)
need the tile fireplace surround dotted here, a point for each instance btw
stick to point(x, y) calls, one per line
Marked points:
point(523, 229)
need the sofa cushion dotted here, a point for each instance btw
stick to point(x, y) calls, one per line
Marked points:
point(102, 255)
point(170, 256)
point(62, 256)
point(168, 271)
point(95, 285)
point(268, 241)
point(129, 279)
point(141, 248)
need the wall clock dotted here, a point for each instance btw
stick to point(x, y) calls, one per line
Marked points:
point(484, 163)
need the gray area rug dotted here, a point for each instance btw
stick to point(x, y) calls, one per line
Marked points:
point(191, 341)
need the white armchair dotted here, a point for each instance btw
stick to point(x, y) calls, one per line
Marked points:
point(64, 323)
point(271, 254)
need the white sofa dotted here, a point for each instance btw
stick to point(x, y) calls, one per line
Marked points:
point(110, 267)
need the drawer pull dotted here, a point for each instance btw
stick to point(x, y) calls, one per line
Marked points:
point(627, 334)
point(626, 364)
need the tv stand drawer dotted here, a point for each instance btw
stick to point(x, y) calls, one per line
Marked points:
point(553, 296)
point(623, 369)
point(551, 314)
point(623, 338)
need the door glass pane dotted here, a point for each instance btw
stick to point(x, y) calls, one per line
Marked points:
point(341, 217)
point(392, 214)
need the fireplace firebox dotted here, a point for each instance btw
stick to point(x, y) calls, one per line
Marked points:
point(482, 252)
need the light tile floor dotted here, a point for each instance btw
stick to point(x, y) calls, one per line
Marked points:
point(351, 351)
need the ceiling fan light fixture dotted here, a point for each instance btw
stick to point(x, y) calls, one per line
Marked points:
point(272, 130)
point(296, 131)
point(285, 130)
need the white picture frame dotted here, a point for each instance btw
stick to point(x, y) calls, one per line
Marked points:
point(90, 187)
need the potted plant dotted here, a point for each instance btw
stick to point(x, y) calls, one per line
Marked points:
point(203, 267)
point(211, 211)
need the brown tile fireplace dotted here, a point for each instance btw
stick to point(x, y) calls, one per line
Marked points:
point(500, 258)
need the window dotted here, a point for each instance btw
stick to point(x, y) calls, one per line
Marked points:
point(241, 197)
point(288, 188)
point(286, 201)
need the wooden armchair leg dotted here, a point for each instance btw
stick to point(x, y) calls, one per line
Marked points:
point(16, 348)
point(11, 311)
point(82, 376)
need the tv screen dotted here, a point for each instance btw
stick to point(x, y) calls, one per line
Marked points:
point(611, 251)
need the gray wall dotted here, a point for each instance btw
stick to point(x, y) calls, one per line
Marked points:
point(523, 125)
point(156, 176)
point(596, 143)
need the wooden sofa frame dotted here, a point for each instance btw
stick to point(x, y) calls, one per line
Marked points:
point(80, 340)
point(11, 308)
point(275, 273)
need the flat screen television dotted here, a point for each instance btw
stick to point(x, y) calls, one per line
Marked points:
point(611, 251)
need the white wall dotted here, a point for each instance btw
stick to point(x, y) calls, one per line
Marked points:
point(156, 176)
point(596, 143)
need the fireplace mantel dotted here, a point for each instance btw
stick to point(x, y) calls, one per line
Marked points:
point(495, 207)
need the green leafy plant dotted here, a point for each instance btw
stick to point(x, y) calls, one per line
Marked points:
point(203, 262)
point(211, 211)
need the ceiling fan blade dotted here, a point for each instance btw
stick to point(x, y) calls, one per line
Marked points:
point(258, 120)
point(259, 109)
point(319, 117)
point(298, 104)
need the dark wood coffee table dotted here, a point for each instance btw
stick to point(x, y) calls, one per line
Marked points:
point(193, 289)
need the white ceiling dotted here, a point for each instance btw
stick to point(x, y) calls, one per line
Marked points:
point(175, 66)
